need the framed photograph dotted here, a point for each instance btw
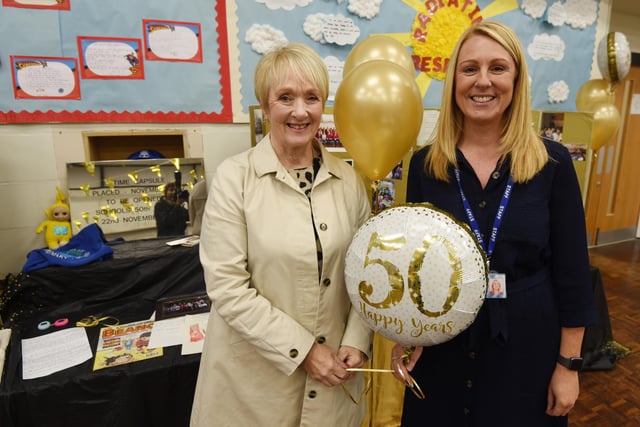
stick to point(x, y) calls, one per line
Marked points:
point(259, 126)
point(182, 305)
point(328, 134)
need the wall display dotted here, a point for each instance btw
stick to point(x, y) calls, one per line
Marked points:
point(193, 47)
point(120, 196)
point(148, 62)
point(555, 35)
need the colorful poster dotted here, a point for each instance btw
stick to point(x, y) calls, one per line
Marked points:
point(38, 4)
point(45, 77)
point(127, 343)
point(110, 58)
point(172, 41)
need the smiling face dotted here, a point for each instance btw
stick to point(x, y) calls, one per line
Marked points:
point(484, 80)
point(294, 110)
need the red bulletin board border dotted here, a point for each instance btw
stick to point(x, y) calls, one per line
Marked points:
point(225, 116)
point(60, 5)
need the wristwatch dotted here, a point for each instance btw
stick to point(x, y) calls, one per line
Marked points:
point(571, 363)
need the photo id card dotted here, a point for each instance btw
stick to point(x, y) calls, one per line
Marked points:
point(497, 286)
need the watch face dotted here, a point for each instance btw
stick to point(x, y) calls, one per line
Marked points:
point(575, 363)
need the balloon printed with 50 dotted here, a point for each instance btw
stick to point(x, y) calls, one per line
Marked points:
point(445, 281)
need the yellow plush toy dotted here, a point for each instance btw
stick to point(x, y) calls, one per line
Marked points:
point(58, 226)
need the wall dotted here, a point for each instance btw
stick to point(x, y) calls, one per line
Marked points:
point(627, 24)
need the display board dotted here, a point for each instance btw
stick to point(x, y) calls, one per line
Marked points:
point(171, 61)
point(115, 61)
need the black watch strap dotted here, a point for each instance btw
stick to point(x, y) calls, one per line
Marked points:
point(571, 363)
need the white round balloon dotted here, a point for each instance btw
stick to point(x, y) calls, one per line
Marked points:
point(614, 57)
point(416, 275)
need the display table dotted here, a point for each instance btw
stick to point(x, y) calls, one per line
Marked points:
point(598, 337)
point(155, 392)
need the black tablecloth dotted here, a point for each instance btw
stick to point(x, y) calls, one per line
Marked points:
point(597, 337)
point(154, 392)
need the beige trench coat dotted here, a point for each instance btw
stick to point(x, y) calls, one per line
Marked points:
point(258, 251)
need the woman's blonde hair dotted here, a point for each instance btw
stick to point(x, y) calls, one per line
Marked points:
point(294, 59)
point(518, 138)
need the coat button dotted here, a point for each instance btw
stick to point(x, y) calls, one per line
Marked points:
point(321, 340)
point(326, 281)
point(472, 355)
point(312, 394)
point(496, 175)
point(293, 353)
point(323, 227)
point(467, 411)
point(469, 383)
point(482, 204)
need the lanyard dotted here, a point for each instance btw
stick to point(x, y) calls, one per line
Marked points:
point(488, 250)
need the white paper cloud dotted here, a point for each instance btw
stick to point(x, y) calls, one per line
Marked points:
point(581, 13)
point(556, 14)
point(534, 8)
point(337, 29)
point(547, 47)
point(264, 37)
point(365, 8)
point(340, 30)
point(558, 91)
point(284, 4)
point(313, 25)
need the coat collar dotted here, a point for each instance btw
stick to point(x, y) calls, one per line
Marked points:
point(266, 161)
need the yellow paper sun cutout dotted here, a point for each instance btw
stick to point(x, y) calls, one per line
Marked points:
point(436, 28)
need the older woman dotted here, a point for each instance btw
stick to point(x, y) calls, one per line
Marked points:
point(517, 364)
point(277, 224)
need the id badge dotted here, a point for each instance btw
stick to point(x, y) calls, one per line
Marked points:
point(497, 288)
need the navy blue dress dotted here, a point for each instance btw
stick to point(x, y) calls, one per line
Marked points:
point(497, 372)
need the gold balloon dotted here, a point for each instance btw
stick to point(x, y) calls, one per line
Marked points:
point(593, 92)
point(606, 120)
point(378, 112)
point(379, 47)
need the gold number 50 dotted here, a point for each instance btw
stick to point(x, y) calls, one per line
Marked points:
point(396, 280)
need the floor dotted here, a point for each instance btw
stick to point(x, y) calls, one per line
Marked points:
point(612, 398)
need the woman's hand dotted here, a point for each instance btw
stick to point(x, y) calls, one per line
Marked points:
point(351, 358)
point(403, 359)
point(323, 365)
point(563, 391)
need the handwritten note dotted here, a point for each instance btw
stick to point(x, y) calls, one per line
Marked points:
point(44, 355)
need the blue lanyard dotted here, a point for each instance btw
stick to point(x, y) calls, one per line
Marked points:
point(496, 222)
